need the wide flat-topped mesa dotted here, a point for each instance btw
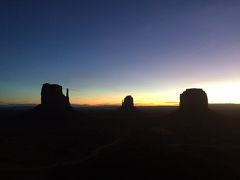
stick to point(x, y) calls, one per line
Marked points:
point(127, 103)
point(52, 96)
point(193, 100)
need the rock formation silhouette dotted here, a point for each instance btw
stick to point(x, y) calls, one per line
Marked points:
point(53, 98)
point(193, 100)
point(128, 104)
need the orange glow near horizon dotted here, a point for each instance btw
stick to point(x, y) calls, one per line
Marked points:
point(218, 92)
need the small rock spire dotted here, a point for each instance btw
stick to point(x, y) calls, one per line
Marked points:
point(67, 93)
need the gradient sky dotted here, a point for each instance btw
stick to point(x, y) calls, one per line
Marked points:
point(103, 50)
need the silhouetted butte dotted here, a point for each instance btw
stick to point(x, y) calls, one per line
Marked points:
point(128, 104)
point(193, 100)
point(53, 98)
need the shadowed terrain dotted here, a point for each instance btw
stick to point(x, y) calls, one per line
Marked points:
point(152, 143)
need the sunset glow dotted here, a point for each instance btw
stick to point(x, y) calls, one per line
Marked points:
point(152, 50)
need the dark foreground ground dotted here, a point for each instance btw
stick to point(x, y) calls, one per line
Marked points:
point(150, 143)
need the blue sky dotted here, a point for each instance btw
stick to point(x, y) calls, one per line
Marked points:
point(104, 50)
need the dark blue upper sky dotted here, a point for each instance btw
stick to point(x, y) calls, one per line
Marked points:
point(104, 50)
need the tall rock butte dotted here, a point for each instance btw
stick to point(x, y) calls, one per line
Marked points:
point(52, 97)
point(127, 103)
point(193, 100)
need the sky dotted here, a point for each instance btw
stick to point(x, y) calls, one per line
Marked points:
point(105, 50)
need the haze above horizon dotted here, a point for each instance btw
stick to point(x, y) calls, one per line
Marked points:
point(105, 50)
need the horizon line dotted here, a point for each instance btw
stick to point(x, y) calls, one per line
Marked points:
point(113, 105)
